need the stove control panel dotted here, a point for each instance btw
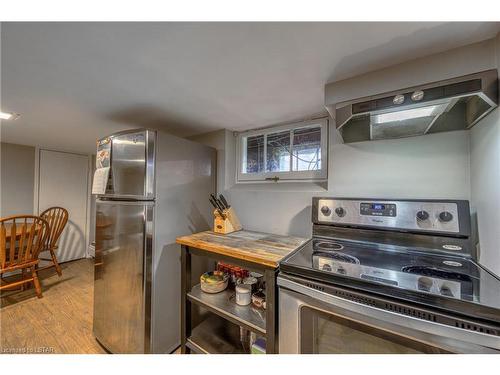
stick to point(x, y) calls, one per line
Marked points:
point(420, 216)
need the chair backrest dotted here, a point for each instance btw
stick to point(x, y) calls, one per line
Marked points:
point(21, 239)
point(57, 217)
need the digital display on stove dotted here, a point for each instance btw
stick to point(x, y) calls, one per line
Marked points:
point(377, 209)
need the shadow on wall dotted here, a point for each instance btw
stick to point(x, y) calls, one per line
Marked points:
point(167, 264)
point(197, 223)
point(297, 227)
point(416, 46)
point(71, 243)
point(151, 117)
point(167, 306)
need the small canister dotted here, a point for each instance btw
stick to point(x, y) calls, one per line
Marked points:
point(243, 295)
point(251, 282)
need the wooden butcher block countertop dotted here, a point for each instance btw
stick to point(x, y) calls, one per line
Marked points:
point(261, 248)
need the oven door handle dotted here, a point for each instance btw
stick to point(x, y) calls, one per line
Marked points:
point(391, 317)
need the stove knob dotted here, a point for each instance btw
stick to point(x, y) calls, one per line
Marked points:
point(326, 211)
point(341, 270)
point(422, 215)
point(340, 211)
point(425, 284)
point(445, 216)
point(445, 291)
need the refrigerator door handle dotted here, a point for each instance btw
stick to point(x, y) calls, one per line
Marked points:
point(125, 203)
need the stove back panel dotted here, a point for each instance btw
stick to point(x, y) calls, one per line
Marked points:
point(437, 217)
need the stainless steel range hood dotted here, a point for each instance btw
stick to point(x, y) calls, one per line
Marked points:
point(452, 104)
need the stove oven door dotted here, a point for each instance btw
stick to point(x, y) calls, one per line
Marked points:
point(314, 321)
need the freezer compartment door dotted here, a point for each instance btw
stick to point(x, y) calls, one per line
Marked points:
point(122, 286)
point(132, 159)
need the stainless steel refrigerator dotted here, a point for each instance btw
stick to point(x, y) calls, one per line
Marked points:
point(156, 189)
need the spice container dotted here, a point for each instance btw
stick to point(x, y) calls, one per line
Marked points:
point(243, 295)
point(236, 274)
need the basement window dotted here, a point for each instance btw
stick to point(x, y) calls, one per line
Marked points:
point(292, 152)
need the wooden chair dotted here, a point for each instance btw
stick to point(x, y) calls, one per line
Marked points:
point(21, 239)
point(57, 217)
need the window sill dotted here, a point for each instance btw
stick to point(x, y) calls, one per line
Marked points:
point(282, 185)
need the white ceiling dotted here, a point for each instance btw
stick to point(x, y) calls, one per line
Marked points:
point(75, 82)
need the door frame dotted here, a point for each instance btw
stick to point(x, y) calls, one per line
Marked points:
point(36, 188)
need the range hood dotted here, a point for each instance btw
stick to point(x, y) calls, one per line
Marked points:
point(452, 104)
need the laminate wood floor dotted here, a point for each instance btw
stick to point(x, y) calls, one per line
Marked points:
point(60, 322)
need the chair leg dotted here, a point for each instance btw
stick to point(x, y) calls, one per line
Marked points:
point(56, 264)
point(23, 276)
point(38, 288)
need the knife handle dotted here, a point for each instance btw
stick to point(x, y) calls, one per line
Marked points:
point(217, 207)
point(224, 201)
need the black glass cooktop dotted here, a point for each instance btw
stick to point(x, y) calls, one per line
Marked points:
point(375, 256)
point(450, 282)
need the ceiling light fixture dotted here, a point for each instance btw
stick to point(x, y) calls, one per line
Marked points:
point(8, 116)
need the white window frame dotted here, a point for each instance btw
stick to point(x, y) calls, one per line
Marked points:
point(318, 175)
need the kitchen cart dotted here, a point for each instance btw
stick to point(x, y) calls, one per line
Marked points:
point(212, 323)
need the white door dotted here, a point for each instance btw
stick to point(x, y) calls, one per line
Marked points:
point(63, 182)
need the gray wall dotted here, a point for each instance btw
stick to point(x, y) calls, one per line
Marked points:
point(217, 140)
point(433, 166)
point(17, 179)
point(485, 188)
point(485, 183)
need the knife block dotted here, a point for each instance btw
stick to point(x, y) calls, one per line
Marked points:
point(228, 225)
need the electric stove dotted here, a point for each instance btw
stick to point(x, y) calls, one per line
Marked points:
point(417, 251)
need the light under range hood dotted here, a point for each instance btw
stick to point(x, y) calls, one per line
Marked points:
point(452, 104)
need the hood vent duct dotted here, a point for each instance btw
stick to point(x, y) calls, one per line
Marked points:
point(453, 104)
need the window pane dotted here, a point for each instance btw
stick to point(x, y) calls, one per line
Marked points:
point(306, 151)
point(253, 158)
point(278, 152)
